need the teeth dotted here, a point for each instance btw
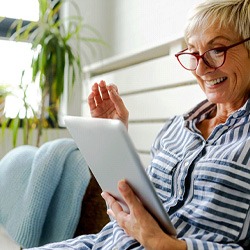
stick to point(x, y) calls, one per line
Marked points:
point(213, 82)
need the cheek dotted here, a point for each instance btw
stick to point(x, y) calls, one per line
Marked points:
point(240, 66)
point(199, 80)
point(241, 75)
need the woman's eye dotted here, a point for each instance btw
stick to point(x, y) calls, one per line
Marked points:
point(219, 51)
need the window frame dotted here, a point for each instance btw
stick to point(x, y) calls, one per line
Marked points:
point(6, 29)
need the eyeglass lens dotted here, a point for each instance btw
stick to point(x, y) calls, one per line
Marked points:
point(212, 58)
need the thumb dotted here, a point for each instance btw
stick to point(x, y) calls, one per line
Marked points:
point(128, 194)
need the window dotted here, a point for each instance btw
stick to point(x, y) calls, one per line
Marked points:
point(16, 56)
point(25, 9)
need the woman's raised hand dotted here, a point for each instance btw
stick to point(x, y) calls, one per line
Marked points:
point(105, 102)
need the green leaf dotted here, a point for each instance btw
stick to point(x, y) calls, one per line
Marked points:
point(35, 67)
point(14, 127)
point(43, 5)
point(60, 66)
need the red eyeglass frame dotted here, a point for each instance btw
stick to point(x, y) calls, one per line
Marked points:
point(198, 57)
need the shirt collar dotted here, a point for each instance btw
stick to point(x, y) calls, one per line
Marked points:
point(203, 109)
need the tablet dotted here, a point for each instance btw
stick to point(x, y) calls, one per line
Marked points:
point(109, 151)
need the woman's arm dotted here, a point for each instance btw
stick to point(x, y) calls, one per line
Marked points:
point(139, 223)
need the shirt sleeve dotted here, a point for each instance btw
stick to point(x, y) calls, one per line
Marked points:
point(194, 244)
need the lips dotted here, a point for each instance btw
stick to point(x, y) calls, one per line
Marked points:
point(216, 81)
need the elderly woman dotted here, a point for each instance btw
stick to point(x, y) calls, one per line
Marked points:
point(203, 179)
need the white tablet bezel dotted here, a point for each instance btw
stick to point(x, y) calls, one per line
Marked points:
point(109, 151)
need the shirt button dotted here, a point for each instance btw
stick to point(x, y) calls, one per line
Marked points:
point(180, 192)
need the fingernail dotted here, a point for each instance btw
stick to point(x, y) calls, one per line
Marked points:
point(123, 185)
point(111, 91)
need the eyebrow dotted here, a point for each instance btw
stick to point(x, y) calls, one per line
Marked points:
point(213, 40)
point(219, 37)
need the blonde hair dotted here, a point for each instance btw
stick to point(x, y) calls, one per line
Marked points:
point(233, 13)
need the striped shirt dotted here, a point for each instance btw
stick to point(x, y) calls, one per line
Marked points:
point(203, 184)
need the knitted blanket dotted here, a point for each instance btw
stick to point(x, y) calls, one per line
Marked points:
point(41, 191)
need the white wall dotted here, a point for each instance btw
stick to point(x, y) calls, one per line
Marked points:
point(130, 25)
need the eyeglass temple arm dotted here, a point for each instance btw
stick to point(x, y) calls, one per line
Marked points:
point(177, 54)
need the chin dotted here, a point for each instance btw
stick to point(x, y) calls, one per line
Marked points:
point(216, 99)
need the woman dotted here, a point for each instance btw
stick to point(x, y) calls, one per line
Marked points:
point(200, 165)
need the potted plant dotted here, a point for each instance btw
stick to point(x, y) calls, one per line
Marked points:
point(26, 116)
point(58, 47)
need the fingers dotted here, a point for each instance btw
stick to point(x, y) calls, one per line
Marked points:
point(92, 97)
point(91, 101)
point(100, 93)
point(119, 104)
point(114, 206)
point(97, 94)
point(128, 195)
point(112, 87)
point(104, 90)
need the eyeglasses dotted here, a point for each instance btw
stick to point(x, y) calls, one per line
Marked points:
point(213, 58)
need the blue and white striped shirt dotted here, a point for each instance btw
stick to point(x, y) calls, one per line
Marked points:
point(203, 184)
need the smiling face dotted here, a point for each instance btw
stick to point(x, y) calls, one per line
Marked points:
point(230, 84)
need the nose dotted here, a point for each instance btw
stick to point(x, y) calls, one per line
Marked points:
point(202, 68)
